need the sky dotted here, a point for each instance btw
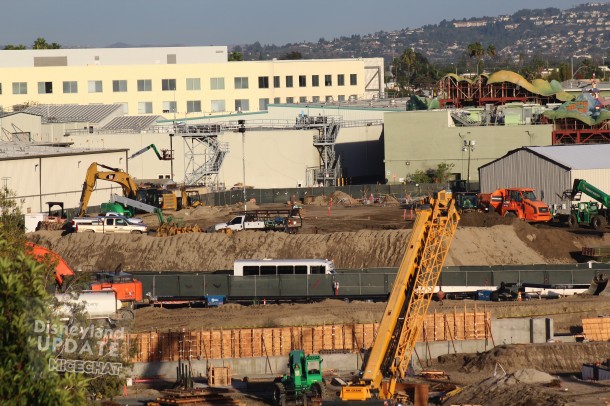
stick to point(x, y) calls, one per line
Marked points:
point(232, 22)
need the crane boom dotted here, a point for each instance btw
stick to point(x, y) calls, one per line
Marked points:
point(408, 303)
point(154, 148)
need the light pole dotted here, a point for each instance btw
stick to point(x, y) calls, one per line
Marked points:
point(469, 146)
point(171, 155)
point(242, 130)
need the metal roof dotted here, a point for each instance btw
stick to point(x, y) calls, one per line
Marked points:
point(19, 150)
point(588, 156)
point(133, 123)
point(59, 113)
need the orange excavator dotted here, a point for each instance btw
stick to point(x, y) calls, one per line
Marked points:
point(128, 289)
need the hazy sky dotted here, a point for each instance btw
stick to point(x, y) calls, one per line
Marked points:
point(228, 22)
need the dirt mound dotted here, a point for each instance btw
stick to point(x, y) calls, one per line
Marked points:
point(551, 358)
point(339, 197)
point(477, 219)
point(205, 252)
point(510, 390)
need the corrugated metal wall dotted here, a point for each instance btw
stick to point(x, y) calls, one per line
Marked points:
point(525, 169)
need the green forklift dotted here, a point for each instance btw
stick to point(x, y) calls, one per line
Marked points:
point(592, 213)
point(303, 382)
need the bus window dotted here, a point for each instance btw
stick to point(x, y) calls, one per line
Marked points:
point(268, 270)
point(285, 269)
point(316, 269)
point(300, 269)
point(250, 270)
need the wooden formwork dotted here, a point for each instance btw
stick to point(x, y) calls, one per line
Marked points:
point(597, 329)
point(219, 376)
point(279, 341)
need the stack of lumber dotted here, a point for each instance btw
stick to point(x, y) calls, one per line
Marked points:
point(601, 254)
point(195, 397)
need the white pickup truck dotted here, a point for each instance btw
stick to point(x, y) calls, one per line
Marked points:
point(265, 220)
point(108, 225)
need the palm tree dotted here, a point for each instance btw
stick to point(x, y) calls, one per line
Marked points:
point(476, 50)
point(42, 43)
point(491, 51)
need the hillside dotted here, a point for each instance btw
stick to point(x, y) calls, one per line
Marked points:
point(544, 33)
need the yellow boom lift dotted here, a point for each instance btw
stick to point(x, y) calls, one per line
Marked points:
point(388, 361)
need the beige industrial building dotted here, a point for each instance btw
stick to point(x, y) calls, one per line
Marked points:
point(421, 140)
point(179, 81)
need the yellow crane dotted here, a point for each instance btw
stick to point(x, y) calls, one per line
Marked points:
point(388, 361)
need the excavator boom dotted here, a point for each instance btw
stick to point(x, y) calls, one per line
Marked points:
point(113, 175)
point(581, 185)
point(408, 303)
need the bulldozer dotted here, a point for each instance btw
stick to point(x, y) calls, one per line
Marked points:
point(303, 382)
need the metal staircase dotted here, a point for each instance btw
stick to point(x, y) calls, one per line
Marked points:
point(330, 168)
point(204, 155)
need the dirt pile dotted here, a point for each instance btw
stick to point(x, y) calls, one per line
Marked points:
point(556, 358)
point(203, 252)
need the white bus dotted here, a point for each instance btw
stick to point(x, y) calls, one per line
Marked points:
point(267, 267)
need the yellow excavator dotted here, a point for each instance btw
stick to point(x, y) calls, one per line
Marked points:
point(386, 368)
point(163, 199)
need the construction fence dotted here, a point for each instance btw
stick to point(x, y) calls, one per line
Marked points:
point(279, 341)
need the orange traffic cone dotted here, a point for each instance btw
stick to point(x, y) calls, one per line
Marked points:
point(519, 296)
point(125, 390)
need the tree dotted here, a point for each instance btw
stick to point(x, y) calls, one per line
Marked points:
point(14, 47)
point(443, 172)
point(475, 50)
point(236, 56)
point(41, 43)
point(293, 55)
point(25, 376)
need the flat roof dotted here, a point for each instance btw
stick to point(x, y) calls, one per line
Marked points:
point(20, 150)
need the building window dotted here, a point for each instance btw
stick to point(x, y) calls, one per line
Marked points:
point(328, 80)
point(315, 80)
point(168, 84)
point(276, 81)
point(144, 107)
point(302, 81)
point(353, 79)
point(276, 100)
point(263, 82)
point(193, 84)
point(125, 106)
point(193, 106)
point(144, 85)
point(241, 83)
point(341, 80)
point(217, 83)
point(169, 106)
point(288, 81)
point(262, 104)
point(341, 98)
point(95, 86)
point(242, 105)
point(330, 99)
point(119, 86)
point(71, 87)
point(20, 88)
point(303, 99)
point(218, 105)
point(289, 100)
point(316, 99)
point(45, 87)
point(0, 88)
